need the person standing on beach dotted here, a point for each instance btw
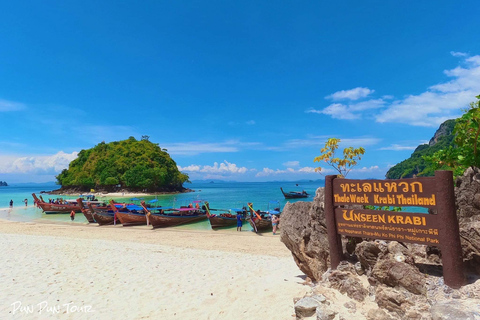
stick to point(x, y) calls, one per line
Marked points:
point(275, 220)
point(72, 215)
point(239, 221)
point(11, 203)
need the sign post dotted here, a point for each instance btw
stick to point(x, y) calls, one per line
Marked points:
point(439, 229)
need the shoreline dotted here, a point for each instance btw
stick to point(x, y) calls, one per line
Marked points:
point(137, 272)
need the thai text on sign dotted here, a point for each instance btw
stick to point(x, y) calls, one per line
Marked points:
point(401, 193)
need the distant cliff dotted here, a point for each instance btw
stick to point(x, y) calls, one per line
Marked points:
point(3, 184)
point(415, 165)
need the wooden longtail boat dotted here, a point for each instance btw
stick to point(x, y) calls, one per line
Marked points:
point(86, 212)
point(104, 217)
point(49, 208)
point(174, 217)
point(225, 219)
point(261, 221)
point(129, 218)
point(294, 194)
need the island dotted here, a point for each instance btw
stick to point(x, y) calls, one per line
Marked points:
point(123, 166)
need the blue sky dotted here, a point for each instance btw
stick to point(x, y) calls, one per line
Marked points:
point(245, 91)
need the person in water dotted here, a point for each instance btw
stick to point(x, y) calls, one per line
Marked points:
point(72, 215)
point(239, 221)
point(11, 203)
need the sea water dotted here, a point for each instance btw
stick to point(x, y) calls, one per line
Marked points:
point(220, 195)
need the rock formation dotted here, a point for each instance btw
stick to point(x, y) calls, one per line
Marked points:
point(386, 279)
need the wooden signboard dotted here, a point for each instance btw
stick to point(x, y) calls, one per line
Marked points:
point(439, 229)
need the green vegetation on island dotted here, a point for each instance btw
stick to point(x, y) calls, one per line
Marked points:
point(416, 165)
point(128, 164)
point(454, 147)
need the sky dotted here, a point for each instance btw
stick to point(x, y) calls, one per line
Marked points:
point(234, 90)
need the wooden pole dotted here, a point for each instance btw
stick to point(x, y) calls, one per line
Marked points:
point(334, 240)
point(449, 231)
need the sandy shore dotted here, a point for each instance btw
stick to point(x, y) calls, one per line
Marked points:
point(71, 271)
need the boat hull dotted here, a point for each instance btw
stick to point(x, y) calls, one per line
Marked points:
point(50, 208)
point(130, 219)
point(105, 219)
point(260, 225)
point(220, 222)
point(88, 215)
point(164, 221)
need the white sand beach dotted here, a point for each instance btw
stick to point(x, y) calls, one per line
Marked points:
point(76, 271)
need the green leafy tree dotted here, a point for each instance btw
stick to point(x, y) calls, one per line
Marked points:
point(343, 165)
point(130, 163)
point(464, 153)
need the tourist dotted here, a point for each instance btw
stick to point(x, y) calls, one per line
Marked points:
point(26, 202)
point(72, 215)
point(239, 221)
point(11, 203)
point(275, 221)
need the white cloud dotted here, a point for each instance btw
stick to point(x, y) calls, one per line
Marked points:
point(222, 168)
point(319, 141)
point(195, 148)
point(366, 169)
point(339, 111)
point(289, 171)
point(352, 94)
point(458, 54)
point(349, 111)
point(250, 122)
point(397, 147)
point(53, 164)
point(6, 105)
point(291, 164)
point(441, 101)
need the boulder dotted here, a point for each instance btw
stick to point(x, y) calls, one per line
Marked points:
point(452, 310)
point(306, 307)
point(304, 233)
point(467, 194)
point(367, 253)
point(345, 280)
point(378, 314)
point(392, 300)
point(392, 272)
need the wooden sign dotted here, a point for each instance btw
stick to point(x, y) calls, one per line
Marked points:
point(439, 229)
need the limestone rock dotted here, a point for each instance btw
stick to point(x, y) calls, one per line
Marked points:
point(304, 233)
point(395, 273)
point(346, 282)
point(367, 253)
point(325, 314)
point(306, 307)
point(391, 299)
point(452, 311)
point(467, 194)
point(378, 314)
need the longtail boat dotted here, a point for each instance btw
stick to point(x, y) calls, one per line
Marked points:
point(104, 217)
point(261, 221)
point(169, 217)
point(132, 217)
point(88, 213)
point(294, 194)
point(49, 208)
point(225, 219)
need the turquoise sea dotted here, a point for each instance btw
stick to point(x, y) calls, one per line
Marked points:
point(220, 195)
